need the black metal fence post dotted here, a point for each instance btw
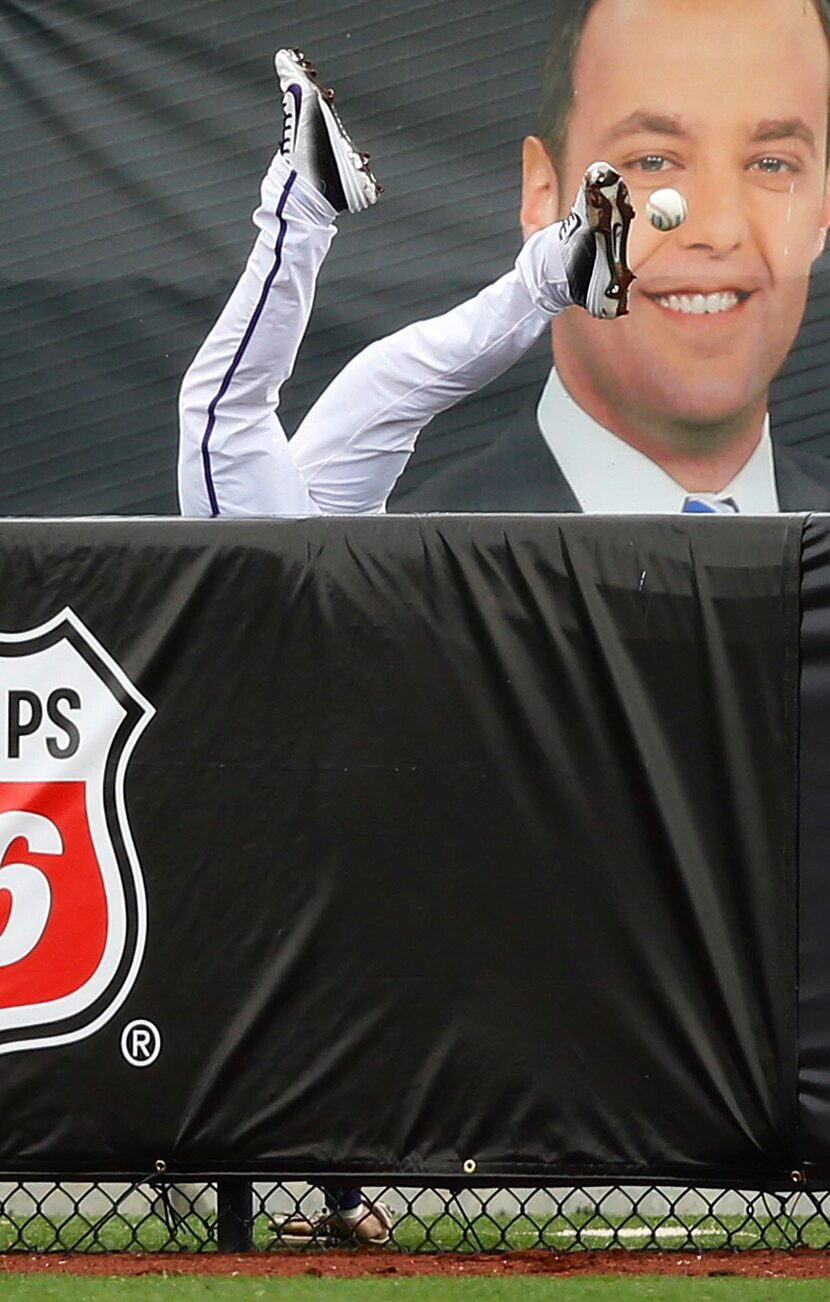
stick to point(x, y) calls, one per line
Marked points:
point(234, 1215)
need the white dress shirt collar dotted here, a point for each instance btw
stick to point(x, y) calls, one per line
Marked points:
point(610, 476)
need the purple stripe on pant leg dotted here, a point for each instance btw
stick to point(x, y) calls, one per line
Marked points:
point(246, 339)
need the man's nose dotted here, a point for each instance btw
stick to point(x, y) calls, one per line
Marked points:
point(717, 221)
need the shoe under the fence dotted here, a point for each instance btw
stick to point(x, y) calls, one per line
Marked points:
point(367, 1224)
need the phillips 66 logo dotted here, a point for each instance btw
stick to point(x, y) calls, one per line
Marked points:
point(72, 904)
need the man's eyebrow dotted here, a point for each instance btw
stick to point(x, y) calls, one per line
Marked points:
point(784, 129)
point(643, 120)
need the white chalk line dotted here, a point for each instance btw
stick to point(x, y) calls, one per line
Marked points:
point(660, 1232)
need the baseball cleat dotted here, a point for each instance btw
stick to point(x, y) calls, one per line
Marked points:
point(368, 1224)
point(316, 143)
point(301, 1230)
point(595, 242)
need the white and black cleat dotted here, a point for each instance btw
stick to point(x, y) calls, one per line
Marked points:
point(595, 243)
point(316, 143)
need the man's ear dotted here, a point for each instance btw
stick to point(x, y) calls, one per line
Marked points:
point(540, 187)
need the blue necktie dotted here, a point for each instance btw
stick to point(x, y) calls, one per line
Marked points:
point(709, 504)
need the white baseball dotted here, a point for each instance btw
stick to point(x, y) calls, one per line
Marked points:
point(666, 209)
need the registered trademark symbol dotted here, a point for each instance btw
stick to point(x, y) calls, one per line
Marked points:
point(141, 1043)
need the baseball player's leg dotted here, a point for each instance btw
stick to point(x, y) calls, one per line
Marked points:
point(349, 1216)
point(233, 457)
point(233, 454)
point(358, 437)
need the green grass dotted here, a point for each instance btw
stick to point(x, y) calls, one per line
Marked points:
point(646, 1288)
point(585, 1229)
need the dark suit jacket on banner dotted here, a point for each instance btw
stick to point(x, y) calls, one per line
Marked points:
point(517, 472)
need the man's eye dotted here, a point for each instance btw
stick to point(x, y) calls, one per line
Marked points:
point(772, 166)
point(653, 163)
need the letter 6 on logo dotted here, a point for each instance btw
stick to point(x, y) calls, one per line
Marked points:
point(28, 887)
point(53, 912)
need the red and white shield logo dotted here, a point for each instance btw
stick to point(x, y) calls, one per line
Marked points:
point(72, 903)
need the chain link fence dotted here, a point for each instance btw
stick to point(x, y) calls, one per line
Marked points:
point(232, 1214)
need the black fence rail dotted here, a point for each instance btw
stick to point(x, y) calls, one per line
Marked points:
point(230, 1214)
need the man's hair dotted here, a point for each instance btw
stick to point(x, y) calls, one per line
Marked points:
point(569, 19)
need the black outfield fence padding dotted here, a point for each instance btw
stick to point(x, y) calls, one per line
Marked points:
point(478, 861)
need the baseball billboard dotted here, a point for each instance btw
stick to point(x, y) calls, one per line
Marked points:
point(135, 150)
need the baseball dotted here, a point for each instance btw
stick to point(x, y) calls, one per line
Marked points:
point(666, 209)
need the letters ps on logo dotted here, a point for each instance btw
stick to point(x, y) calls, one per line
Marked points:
point(72, 903)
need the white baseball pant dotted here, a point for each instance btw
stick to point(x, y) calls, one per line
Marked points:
point(346, 456)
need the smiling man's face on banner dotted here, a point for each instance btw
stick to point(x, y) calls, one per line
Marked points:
point(726, 101)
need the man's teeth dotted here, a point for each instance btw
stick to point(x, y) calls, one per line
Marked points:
point(699, 304)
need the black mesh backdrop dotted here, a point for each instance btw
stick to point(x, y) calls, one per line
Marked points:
point(133, 134)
